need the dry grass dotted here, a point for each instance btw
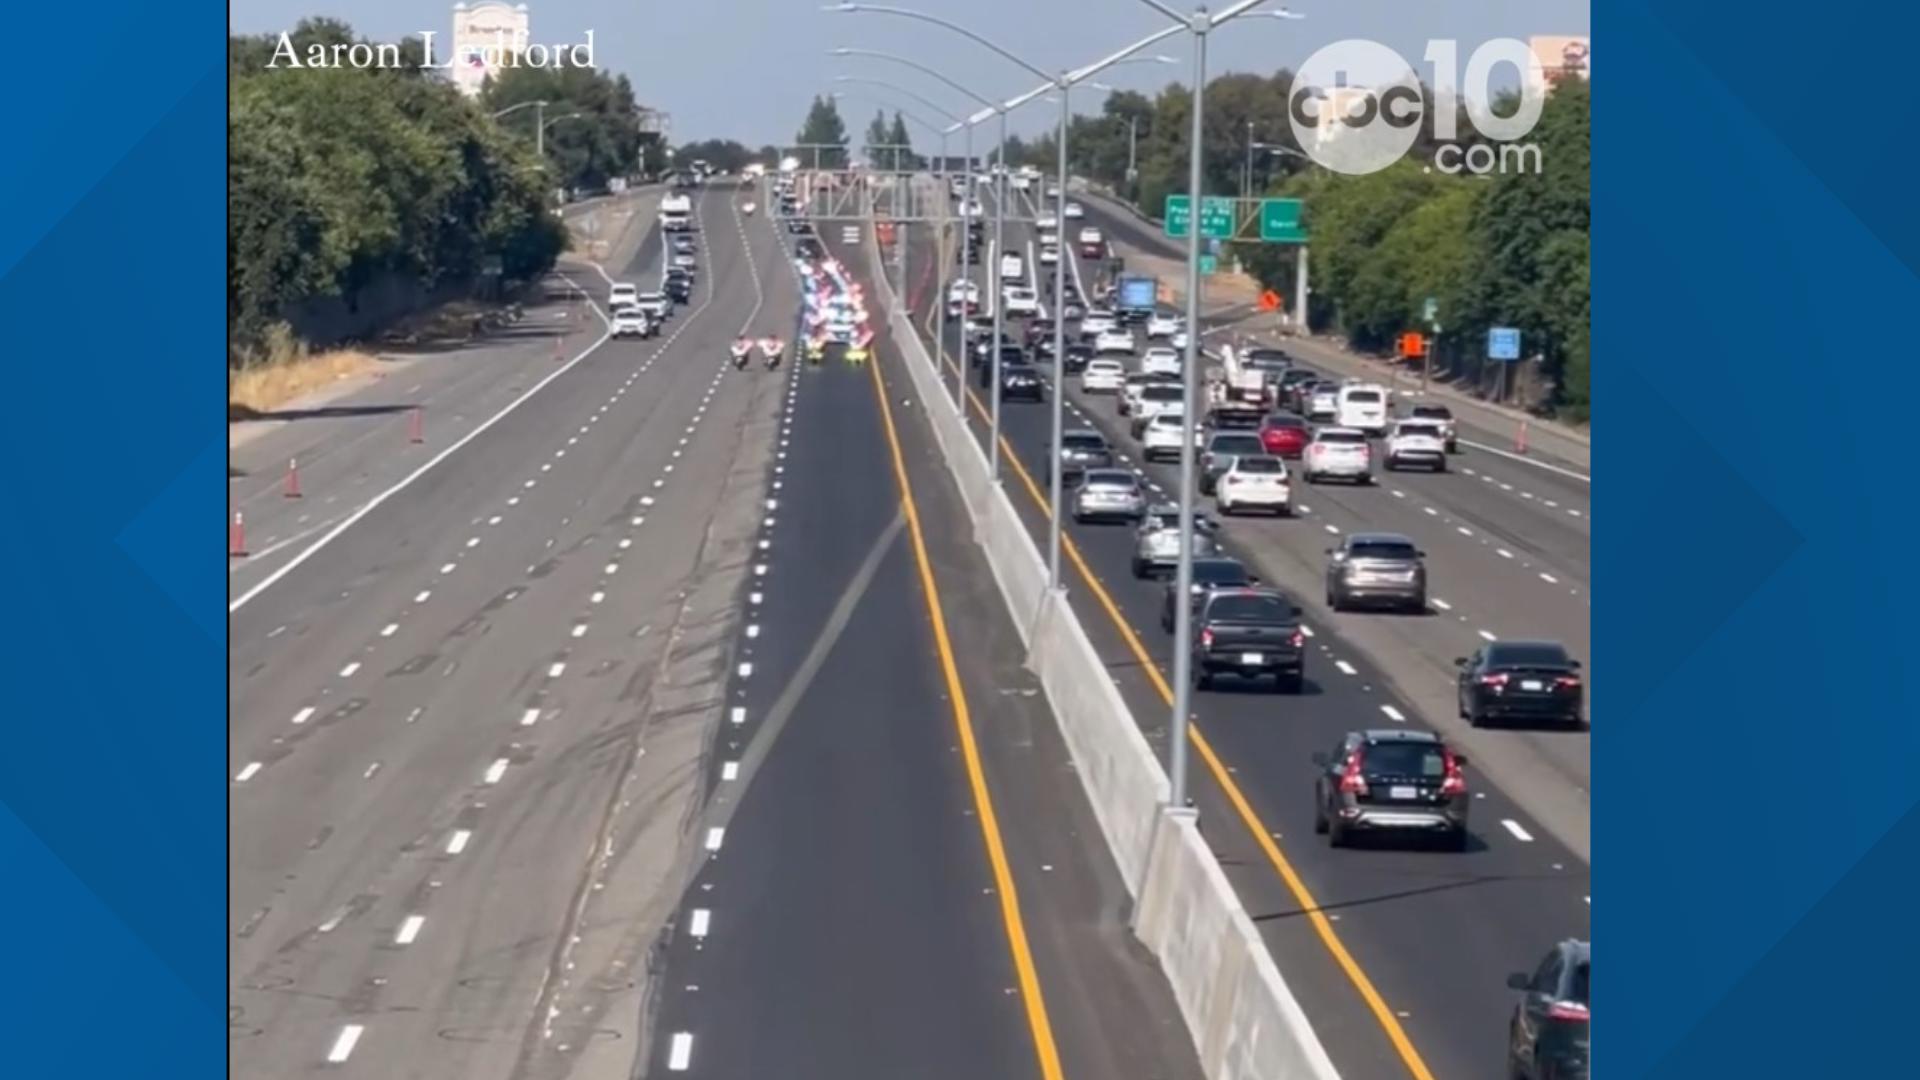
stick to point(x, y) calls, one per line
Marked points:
point(261, 388)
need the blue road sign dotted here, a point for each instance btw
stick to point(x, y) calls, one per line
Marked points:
point(1503, 343)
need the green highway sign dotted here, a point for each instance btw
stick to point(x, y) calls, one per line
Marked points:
point(1209, 263)
point(1430, 310)
point(1280, 222)
point(1216, 216)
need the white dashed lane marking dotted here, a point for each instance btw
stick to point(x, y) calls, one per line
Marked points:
point(248, 773)
point(457, 843)
point(409, 930)
point(1394, 714)
point(1519, 833)
point(680, 1053)
point(344, 1043)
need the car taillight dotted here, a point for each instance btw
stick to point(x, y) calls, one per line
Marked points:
point(1351, 781)
point(1567, 682)
point(1493, 680)
point(1206, 639)
point(1299, 639)
point(1569, 1010)
point(1455, 782)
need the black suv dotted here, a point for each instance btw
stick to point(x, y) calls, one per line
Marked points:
point(1531, 680)
point(1209, 573)
point(1078, 353)
point(1248, 632)
point(1548, 1038)
point(1021, 382)
point(1391, 780)
point(679, 289)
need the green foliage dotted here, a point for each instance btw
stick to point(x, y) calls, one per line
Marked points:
point(593, 123)
point(337, 176)
point(724, 154)
point(1507, 249)
point(823, 127)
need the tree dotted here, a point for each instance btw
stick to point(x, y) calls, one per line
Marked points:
point(876, 140)
point(899, 136)
point(593, 122)
point(823, 134)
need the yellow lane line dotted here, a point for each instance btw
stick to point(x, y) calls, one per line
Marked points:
point(1042, 1028)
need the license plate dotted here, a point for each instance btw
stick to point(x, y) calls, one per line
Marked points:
point(1252, 659)
point(1403, 793)
point(1532, 684)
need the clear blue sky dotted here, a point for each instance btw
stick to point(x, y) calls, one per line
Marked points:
point(745, 69)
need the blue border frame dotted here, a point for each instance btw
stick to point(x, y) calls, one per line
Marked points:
point(1755, 250)
point(112, 769)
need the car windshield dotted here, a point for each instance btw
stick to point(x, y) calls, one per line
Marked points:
point(1235, 444)
point(1432, 412)
point(1383, 549)
point(1117, 480)
point(1259, 465)
point(1363, 397)
point(1414, 759)
point(1252, 608)
point(1526, 654)
point(1577, 984)
point(1219, 572)
point(1083, 442)
point(1104, 367)
point(1160, 392)
point(1344, 438)
point(1426, 430)
point(1285, 422)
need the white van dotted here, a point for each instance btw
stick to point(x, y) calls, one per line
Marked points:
point(1012, 268)
point(623, 294)
point(1362, 406)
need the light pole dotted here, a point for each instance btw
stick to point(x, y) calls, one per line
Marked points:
point(540, 127)
point(1063, 82)
point(1300, 289)
point(1200, 24)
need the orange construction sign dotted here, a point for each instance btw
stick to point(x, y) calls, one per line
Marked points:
point(1269, 301)
point(1413, 344)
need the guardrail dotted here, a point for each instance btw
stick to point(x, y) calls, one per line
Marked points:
point(1243, 1018)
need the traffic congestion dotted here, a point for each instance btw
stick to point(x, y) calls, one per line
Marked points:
point(1278, 442)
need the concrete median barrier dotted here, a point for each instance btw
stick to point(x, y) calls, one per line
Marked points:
point(1244, 1021)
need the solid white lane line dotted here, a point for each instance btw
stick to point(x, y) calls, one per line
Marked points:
point(496, 770)
point(366, 508)
point(1394, 714)
point(457, 843)
point(248, 773)
point(680, 1054)
point(344, 1043)
point(409, 930)
point(1519, 833)
point(1582, 477)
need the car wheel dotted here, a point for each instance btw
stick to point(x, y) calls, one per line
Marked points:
point(1457, 840)
point(1417, 605)
point(1201, 679)
point(1336, 835)
point(1139, 569)
point(1440, 466)
point(1319, 819)
point(1290, 682)
point(1393, 465)
point(1336, 601)
point(1225, 506)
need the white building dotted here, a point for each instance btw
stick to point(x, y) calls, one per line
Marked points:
point(483, 34)
point(1558, 57)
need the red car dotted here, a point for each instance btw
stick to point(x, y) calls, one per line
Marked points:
point(1285, 435)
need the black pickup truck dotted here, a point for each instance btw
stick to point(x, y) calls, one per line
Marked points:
point(1251, 633)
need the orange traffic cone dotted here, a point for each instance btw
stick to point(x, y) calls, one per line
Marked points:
point(293, 479)
point(237, 537)
point(1520, 439)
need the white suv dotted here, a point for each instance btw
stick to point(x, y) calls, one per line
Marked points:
point(1161, 360)
point(1162, 434)
point(1159, 326)
point(1341, 453)
point(1102, 377)
point(1417, 442)
point(1112, 340)
point(1255, 480)
point(1022, 301)
point(625, 294)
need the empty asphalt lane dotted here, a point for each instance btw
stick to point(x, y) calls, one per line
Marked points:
point(525, 729)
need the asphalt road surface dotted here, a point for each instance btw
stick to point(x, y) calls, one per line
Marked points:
point(486, 763)
point(1399, 953)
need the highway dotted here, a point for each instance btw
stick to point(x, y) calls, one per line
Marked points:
point(650, 717)
point(1398, 954)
